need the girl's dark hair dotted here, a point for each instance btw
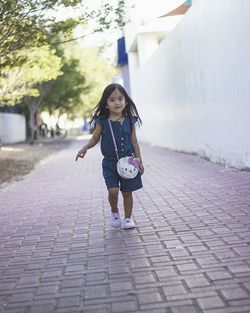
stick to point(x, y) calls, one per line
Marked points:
point(102, 111)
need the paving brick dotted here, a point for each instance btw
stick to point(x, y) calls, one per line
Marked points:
point(178, 253)
point(210, 303)
point(69, 301)
point(207, 260)
point(95, 307)
point(92, 292)
point(159, 259)
point(71, 283)
point(15, 310)
point(220, 274)
point(152, 297)
point(95, 277)
point(239, 303)
point(144, 277)
point(51, 274)
point(167, 272)
point(74, 268)
point(21, 297)
point(120, 286)
point(29, 279)
point(240, 268)
point(185, 309)
point(166, 305)
point(139, 263)
point(6, 286)
point(234, 294)
point(197, 248)
point(47, 290)
point(48, 308)
point(187, 267)
point(197, 280)
point(155, 248)
point(76, 291)
point(119, 270)
point(128, 306)
point(174, 290)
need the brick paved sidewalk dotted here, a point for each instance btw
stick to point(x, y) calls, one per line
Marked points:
point(190, 253)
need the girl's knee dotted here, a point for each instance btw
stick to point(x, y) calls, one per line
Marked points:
point(113, 192)
point(127, 195)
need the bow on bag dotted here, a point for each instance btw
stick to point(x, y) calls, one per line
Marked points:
point(134, 161)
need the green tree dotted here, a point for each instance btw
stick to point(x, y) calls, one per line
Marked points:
point(77, 91)
point(25, 82)
point(98, 74)
point(25, 24)
point(64, 93)
point(19, 81)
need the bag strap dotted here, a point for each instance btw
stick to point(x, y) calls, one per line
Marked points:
point(113, 137)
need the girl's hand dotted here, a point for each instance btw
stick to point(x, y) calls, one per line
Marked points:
point(141, 168)
point(81, 153)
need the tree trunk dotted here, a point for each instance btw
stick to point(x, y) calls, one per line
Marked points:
point(33, 106)
point(32, 125)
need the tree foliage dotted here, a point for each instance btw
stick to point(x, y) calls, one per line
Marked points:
point(26, 23)
point(98, 74)
point(64, 93)
point(79, 88)
point(18, 81)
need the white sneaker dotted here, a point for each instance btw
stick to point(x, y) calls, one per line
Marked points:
point(116, 220)
point(128, 223)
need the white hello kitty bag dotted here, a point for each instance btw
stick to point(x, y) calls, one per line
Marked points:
point(128, 166)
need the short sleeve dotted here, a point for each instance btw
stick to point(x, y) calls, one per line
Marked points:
point(134, 119)
point(99, 121)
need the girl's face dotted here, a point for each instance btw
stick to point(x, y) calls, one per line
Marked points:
point(116, 103)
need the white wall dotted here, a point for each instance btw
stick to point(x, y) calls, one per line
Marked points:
point(194, 92)
point(12, 128)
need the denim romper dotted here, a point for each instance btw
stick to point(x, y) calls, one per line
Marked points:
point(122, 132)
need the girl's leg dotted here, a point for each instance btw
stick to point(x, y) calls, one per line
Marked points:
point(128, 203)
point(113, 199)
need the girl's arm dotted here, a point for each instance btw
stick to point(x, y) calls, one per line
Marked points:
point(137, 149)
point(92, 142)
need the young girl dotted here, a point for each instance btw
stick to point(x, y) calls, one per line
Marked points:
point(115, 105)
